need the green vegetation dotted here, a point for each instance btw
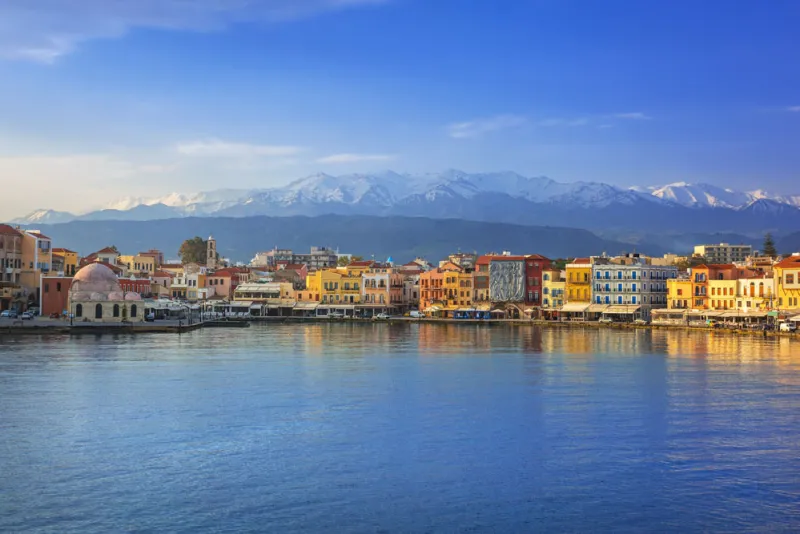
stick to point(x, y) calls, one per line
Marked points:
point(193, 250)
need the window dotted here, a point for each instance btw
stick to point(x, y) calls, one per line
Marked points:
point(619, 299)
point(98, 311)
point(546, 276)
point(79, 310)
point(134, 310)
point(633, 299)
point(790, 279)
point(47, 288)
point(116, 310)
point(680, 292)
point(58, 287)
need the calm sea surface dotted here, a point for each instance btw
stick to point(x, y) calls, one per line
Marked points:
point(407, 428)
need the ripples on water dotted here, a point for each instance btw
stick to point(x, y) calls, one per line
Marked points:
point(412, 428)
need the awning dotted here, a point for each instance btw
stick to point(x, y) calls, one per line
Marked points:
point(743, 314)
point(483, 307)
point(574, 307)
point(306, 306)
point(794, 319)
point(255, 307)
point(465, 310)
point(241, 303)
point(623, 309)
point(598, 308)
point(433, 309)
point(704, 313)
point(342, 306)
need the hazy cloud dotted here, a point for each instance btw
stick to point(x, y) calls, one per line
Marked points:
point(480, 127)
point(224, 149)
point(580, 121)
point(793, 109)
point(637, 115)
point(44, 30)
point(355, 158)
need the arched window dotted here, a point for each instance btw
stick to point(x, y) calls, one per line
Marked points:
point(98, 311)
point(79, 310)
point(116, 310)
point(134, 311)
point(547, 276)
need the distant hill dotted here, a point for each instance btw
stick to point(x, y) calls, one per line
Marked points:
point(789, 243)
point(401, 237)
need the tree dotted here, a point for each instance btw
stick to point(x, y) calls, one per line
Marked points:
point(344, 261)
point(193, 250)
point(769, 246)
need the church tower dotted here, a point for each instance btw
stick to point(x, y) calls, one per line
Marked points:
point(211, 253)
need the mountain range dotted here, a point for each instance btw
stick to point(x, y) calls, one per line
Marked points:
point(501, 197)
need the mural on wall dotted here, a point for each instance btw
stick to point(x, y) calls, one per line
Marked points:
point(507, 281)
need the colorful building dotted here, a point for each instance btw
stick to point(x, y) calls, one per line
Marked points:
point(65, 261)
point(703, 274)
point(535, 265)
point(679, 294)
point(756, 292)
point(553, 288)
point(37, 261)
point(722, 294)
point(55, 295)
point(11, 293)
point(140, 265)
point(787, 283)
point(578, 287)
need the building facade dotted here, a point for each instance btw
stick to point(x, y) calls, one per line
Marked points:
point(723, 253)
point(636, 285)
point(579, 281)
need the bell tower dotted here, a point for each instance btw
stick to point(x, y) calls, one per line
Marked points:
point(211, 253)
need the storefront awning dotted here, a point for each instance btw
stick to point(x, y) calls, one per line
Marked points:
point(794, 319)
point(241, 303)
point(306, 306)
point(483, 307)
point(598, 308)
point(574, 307)
point(743, 314)
point(623, 309)
point(255, 307)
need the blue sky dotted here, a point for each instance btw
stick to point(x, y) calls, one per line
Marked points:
point(102, 99)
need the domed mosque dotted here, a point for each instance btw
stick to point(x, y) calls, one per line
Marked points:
point(96, 296)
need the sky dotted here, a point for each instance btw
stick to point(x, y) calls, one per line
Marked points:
point(105, 99)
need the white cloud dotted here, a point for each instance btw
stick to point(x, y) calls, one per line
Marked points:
point(480, 127)
point(223, 149)
point(637, 115)
point(793, 109)
point(44, 30)
point(355, 158)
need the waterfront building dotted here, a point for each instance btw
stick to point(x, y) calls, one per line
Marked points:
point(702, 274)
point(431, 289)
point(723, 253)
point(630, 290)
point(65, 261)
point(579, 281)
point(55, 294)
point(223, 282)
point(553, 287)
point(157, 255)
point(108, 255)
point(787, 283)
point(11, 292)
point(535, 264)
point(756, 292)
point(96, 296)
point(37, 260)
point(679, 294)
point(463, 260)
point(481, 280)
point(722, 294)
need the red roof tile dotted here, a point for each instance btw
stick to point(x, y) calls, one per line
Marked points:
point(38, 234)
point(107, 250)
point(791, 261)
point(63, 250)
point(8, 230)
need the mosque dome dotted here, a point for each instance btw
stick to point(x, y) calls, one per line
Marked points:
point(116, 295)
point(133, 296)
point(96, 281)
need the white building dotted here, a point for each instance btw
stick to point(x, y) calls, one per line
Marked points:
point(723, 253)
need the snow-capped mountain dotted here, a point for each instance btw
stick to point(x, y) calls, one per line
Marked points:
point(711, 196)
point(451, 193)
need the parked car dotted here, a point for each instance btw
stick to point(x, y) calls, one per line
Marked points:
point(383, 316)
point(33, 311)
point(27, 316)
point(11, 314)
point(605, 320)
point(335, 315)
point(640, 322)
point(150, 317)
point(416, 314)
point(788, 326)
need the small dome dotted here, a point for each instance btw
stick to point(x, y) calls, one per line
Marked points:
point(116, 295)
point(133, 296)
point(98, 296)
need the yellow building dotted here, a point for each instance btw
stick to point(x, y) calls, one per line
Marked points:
point(787, 283)
point(578, 288)
point(553, 289)
point(679, 294)
point(332, 286)
point(139, 264)
point(66, 260)
point(722, 294)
